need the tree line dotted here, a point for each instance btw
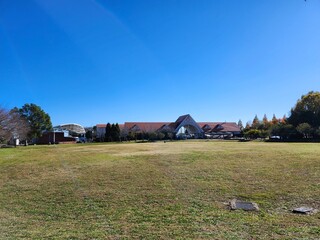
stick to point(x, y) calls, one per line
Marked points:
point(30, 121)
point(113, 133)
point(149, 136)
point(303, 122)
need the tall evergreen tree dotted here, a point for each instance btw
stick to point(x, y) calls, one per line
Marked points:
point(117, 132)
point(240, 125)
point(113, 132)
point(108, 137)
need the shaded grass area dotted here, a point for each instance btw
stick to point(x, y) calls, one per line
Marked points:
point(159, 191)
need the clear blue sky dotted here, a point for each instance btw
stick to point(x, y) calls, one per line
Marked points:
point(98, 61)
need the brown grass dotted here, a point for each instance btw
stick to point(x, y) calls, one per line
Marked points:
point(159, 190)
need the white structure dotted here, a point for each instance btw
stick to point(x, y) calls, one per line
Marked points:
point(73, 129)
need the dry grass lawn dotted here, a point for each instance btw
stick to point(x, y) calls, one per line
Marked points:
point(174, 190)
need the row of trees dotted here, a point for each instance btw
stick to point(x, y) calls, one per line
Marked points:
point(30, 121)
point(150, 136)
point(303, 122)
point(112, 133)
point(25, 123)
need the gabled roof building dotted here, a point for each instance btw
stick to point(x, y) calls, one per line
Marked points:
point(184, 127)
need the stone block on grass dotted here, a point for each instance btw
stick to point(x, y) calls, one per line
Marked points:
point(246, 206)
point(305, 210)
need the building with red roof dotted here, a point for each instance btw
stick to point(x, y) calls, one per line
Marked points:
point(184, 127)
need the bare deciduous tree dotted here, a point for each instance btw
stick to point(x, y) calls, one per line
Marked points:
point(12, 125)
point(4, 129)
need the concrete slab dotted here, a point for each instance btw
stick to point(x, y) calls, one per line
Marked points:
point(246, 206)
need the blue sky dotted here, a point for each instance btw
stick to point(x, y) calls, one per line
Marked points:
point(98, 61)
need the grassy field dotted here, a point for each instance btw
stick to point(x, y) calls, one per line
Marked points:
point(174, 190)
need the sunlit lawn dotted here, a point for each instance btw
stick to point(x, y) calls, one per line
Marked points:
point(174, 190)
